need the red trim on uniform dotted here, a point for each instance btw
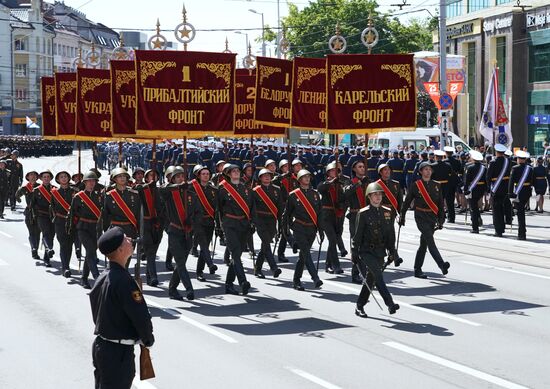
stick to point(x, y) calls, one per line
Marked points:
point(265, 198)
point(47, 195)
point(307, 205)
point(60, 199)
point(389, 195)
point(427, 197)
point(238, 198)
point(149, 200)
point(124, 207)
point(360, 194)
point(202, 197)
point(89, 203)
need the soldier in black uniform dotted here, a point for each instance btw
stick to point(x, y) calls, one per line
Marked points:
point(120, 314)
point(475, 187)
point(234, 210)
point(16, 177)
point(268, 210)
point(443, 174)
point(4, 185)
point(429, 214)
point(32, 227)
point(393, 200)
point(541, 173)
point(218, 175)
point(454, 182)
point(520, 187)
point(374, 237)
point(40, 205)
point(302, 219)
point(84, 221)
point(498, 177)
point(60, 205)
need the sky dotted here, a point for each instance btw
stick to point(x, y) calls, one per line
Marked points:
point(204, 15)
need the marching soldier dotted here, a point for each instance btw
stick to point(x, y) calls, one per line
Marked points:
point(374, 237)
point(16, 176)
point(247, 176)
point(85, 221)
point(40, 205)
point(234, 210)
point(443, 174)
point(137, 176)
point(203, 229)
point(372, 162)
point(77, 181)
point(218, 175)
point(522, 179)
point(397, 166)
point(409, 169)
point(32, 227)
point(167, 176)
point(268, 206)
point(475, 187)
point(356, 198)
point(498, 177)
point(60, 206)
point(429, 214)
point(4, 186)
point(301, 216)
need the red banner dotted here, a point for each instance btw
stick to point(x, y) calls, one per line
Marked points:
point(47, 90)
point(184, 93)
point(309, 93)
point(432, 88)
point(274, 89)
point(65, 105)
point(123, 98)
point(370, 93)
point(245, 94)
point(93, 108)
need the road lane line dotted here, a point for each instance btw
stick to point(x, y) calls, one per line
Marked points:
point(507, 270)
point(6, 235)
point(3, 263)
point(411, 306)
point(142, 384)
point(204, 327)
point(454, 365)
point(312, 378)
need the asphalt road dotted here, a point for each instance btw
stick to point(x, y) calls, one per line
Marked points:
point(485, 325)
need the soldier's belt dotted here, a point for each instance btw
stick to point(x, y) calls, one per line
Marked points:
point(503, 178)
point(60, 215)
point(85, 220)
point(540, 178)
point(354, 210)
point(397, 171)
point(45, 213)
point(481, 183)
point(442, 181)
point(526, 184)
point(126, 342)
point(118, 223)
point(236, 217)
point(423, 209)
point(264, 213)
point(304, 223)
point(260, 167)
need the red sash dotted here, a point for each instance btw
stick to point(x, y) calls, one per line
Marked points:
point(29, 187)
point(149, 201)
point(124, 207)
point(179, 207)
point(360, 194)
point(426, 197)
point(287, 180)
point(238, 198)
point(89, 203)
point(334, 198)
point(389, 195)
point(60, 199)
point(307, 205)
point(202, 197)
point(265, 198)
point(47, 195)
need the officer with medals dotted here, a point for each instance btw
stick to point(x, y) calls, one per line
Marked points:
point(40, 205)
point(373, 238)
point(32, 227)
point(429, 214)
point(60, 206)
point(520, 187)
point(301, 216)
point(85, 220)
point(498, 177)
point(475, 187)
point(234, 210)
point(268, 207)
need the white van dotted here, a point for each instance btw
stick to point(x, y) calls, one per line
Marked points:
point(422, 136)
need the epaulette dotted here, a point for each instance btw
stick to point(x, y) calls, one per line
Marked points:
point(364, 209)
point(133, 191)
point(276, 186)
point(385, 208)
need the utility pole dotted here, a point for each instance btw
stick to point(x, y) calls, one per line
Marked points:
point(278, 29)
point(442, 59)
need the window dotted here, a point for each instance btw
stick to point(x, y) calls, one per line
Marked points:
point(539, 63)
point(503, 1)
point(472, 82)
point(20, 44)
point(21, 70)
point(21, 94)
point(501, 63)
point(476, 5)
point(455, 9)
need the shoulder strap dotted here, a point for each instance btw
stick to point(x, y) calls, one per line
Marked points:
point(238, 198)
point(307, 205)
point(29, 187)
point(360, 193)
point(202, 197)
point(265, 198)
point(389, 195)
point(60, 199)
point(426, 197)
point(149, 200)
point(124, 207)
point(178, 202)
point(89, 203)
point(47, 195)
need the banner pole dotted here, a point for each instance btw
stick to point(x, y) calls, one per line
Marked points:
point(154, 156)
point(185, 157)
point(79, 157)
point(119, 154)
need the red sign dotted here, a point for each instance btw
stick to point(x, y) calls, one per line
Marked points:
point(65, 105)
point(273, 91)
point(454, 88)
point(370, 93)
point(123, 98)
point(184, 93)
point(433, 90)
point(309, 93)
point(47, 90)
point(93, 108)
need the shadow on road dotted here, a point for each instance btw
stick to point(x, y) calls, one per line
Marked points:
point(417, 328)
point(308, 326)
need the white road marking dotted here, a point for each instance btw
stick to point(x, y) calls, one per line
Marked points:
point(312, 378)
point(142, 384)
point(404, 304)
point(193, 322)
point(507, 270)
point(6, 235)
point(3, 263)
point(455, 366)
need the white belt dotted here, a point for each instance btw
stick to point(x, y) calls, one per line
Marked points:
point(126, 342)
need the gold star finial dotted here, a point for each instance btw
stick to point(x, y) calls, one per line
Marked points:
point(184, 13)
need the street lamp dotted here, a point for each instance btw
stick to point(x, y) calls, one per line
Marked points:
point(246, 35)
point(263, 29)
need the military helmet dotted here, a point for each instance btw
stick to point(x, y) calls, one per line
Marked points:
point(302, 173)
point(149, 171)
point(382, 166)
point(61, 172)
point(373, 187)
point(331, 166)
point(264, 171)
point(168, 172)
point(220, 162)
point(269, 162)
point(228, 167)
point(197, 169)
point(425, 164)
point(29, 173)
point(138, 170)
point(119, 171)
point(15, 152)
point(177, 170)
point(96, 171)
point(89, 176)
point(282, 163)
point(47, 171)
point(296, 161)
point(3, 161)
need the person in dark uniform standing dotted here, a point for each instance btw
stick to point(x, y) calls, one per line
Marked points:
point(373, 238)
point(409, 169)
point(355, 194)
point(301, 215)
point(397, 165)
point(429, 214)
point(235, 212)
point(40, 205)
point(541, 173)
point(4, 186)
point(32, 227)
point(205, 157)
point(16, 177)
point(120, 315)
point(443, 174)
point(372, 162)
point(85, 221)
point(218, 175)
point(475, 187)
point(268, 209)
point(498, 177)
point(520, 187)
point(454, 182)
point(60, 206)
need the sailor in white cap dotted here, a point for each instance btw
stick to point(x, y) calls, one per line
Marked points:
point(475, 186)
point(522, 180)
point(498, 176)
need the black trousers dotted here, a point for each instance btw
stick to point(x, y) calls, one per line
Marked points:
point(520, 212)
point(267, 229)
point(114, 365)
point(373, 262)
point(499, 212)
point(203, 237)
point(179, 244)
point(236, 240)
point(65, 242)
point(34, 231)
point(305, 236)
point(3, 198)
point(426, 227)
point(47, 229)
point(359, 266)
point(150, 247)
point(329, 224)
point(450, 201)
point(88, 238)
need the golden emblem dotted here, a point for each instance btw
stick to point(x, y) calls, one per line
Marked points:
point(402, 70)
point(338, 72)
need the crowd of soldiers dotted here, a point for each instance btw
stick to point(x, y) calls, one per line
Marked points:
point(34, 146)
point(289, 196)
